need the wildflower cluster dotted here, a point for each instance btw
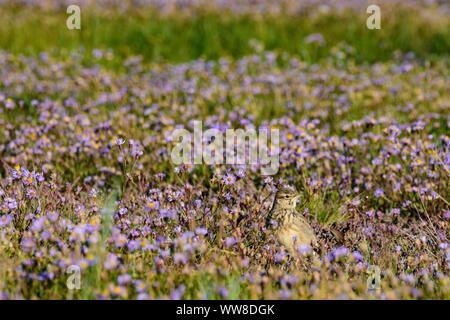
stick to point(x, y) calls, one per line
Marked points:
point(86, 177)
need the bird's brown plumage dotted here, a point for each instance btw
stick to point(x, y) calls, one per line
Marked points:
point(291, 228)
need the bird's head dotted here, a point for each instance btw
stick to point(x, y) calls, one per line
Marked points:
point(286, 197)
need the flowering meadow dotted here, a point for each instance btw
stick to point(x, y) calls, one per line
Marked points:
point(86, 177)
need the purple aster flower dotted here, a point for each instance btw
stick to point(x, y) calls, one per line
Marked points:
point(38, 224)
point(223, 292)
point(124, 279)
point(358, 256)
point(111, 262)
point(122, 211)
point(241, 173)
point(180, 258)
point(370, 213)
point(230, 241)
point(133, 245)
point(140, 286)
point(315, 37)
point(178, 293)
point(447, 214)
point(142, 296)
point(197, 204)
point(285, 294)
point(280, 256)
point(5, 220)
point(229, 179)
point(53, 216)
point(28, 244)
point(379, 192)
point(340, 252)
point(201, 231)
point(151, 205)
point(304, 249)
point(268, 180)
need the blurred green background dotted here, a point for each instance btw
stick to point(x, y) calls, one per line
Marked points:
point(211, 34)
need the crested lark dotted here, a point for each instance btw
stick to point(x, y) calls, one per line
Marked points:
point(292, 229)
